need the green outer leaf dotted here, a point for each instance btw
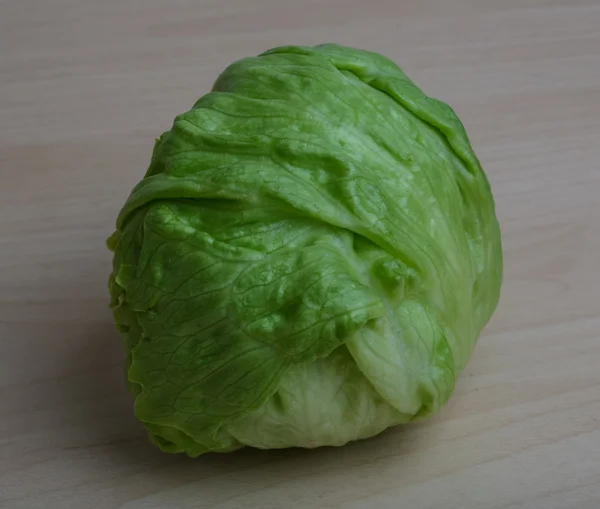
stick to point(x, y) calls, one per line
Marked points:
point(220, 323)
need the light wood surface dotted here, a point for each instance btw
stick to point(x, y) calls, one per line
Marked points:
point(86, 86)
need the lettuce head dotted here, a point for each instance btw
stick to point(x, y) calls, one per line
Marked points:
point(309, 259)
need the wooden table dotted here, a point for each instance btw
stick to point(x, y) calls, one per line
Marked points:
point(86, 86)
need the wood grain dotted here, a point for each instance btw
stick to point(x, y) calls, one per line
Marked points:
point(86, 86)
